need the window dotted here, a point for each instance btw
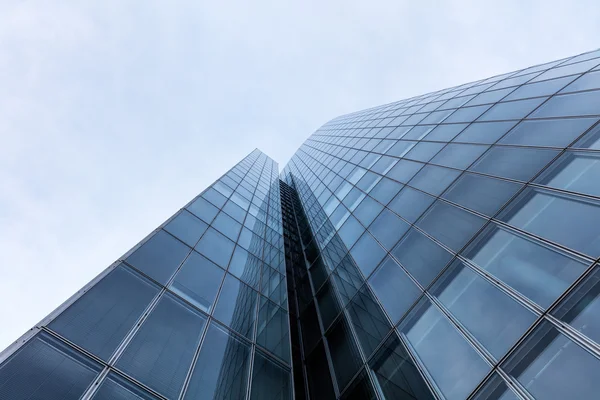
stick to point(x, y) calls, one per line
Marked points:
point(216, 247)
point(186, 227)
point(344, 353)
point(367, 211)
point(445, 133)
point(227, 225)
point(484, 132)
point(367, 253)
point(574, 171)
point(404, 170)
point(434, 180)
point(410, 203)
point(269, 380)
point(99, 320)
point(388, 228)
point(459, 155)
point(245, 266)
point(273, 332)
point(162, 350)
point(203, 209)
point(114, 387)
point(159, 257)
point(512, 110)
point(555, 132)
point(576, 104)
point(514, 162)
point(236, 306)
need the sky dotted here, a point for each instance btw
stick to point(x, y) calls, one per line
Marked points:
point(115, 113)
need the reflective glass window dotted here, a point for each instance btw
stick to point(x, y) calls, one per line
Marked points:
point(367, 253)
point(512, 110)
point(495, 389)
point(576, 104)
point(159, 257)
point(186, 227)
point(245, 266)
point(221, 370)
point(591, 140)
point(489, 97)
point(351, 231)
point(404, 170)
point(227, 225)
point(269, 380)
point(344, 353)
point(215, 197)
point(161, 352)
point(459, 155)
point(216, 247)
point(411, 203)
point(545, 88)
point(385, 190)
point(198, 281)
point(454, 365)
point(388, 228)
point(236, 306)
point(273, 333)
point(514, 162)
point(114, 387)
point(203, 209)
point(484, 132)
point(99, 320)
point(367, 211)
point(555, 132)
point(590, 80)
point(369, 321)
point(574, 171)
point(319, 377)
point(328, 305)
point(433, 179)
point(424, 151)
point(467, 114)
point(446, 132)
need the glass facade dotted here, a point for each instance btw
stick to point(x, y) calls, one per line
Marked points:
point(440, 247)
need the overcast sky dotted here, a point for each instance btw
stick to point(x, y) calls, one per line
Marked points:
point(115, 113)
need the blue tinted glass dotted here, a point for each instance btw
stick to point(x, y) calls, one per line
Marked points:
point(550, 366)
point(369, 321)
point(385, 190)
point(236, 306)
point(46, 369)
point(574, 171)
point(424, 151)
point(269, 380)
point(591, 140)
point(186, 227)
point(484, 132)
point(544, 88)
point(512, 110)
point(493, 318)
point(215, 197)
point(235, 211)
point(245, 266)
point(467, 114)
point(547, 214)
point(481, 193)
point(216, 247)
point(422, 257)
point(445, 133)
point(495, 389)
point(162, 350)
point(555, 132)
point(388, 228)
point(401, 148)
point(227, 225)
point(272, 333)
point(454, 365)
point(434, 180)
point(459, 155)
point(404, 170)
point(368, 181)
point(367, 211)
point(411, 203)
point(367, 253)
point(489, 97)
point(116, 388)
point(159, 257)
point(394, 289)
point(198, 281)
point(350, 231)
point(450, 225)
point(514, 162)
point(221, 370)
point(101, 318)
point(591, 80)
point(203, 209)
point(582, 103)
point(344, 352)
point(536, 271)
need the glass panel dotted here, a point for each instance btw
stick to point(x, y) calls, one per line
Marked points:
point(388, 228)
point(186, 227)
point(221, 370)
point(396, 375)
point(46, 369)
point(159, 257)
point(536, 271)
point(236, 306)
point(484, 132)
point(576, 104)
point(344, 353)
point(203, 209)
point(467, 114)
point(273, 333)
point(450, 225)
point(555, 132)
point(351, 231)
point(493, 318)
point(360, 389)
point(590, 80)
point(198, 281)
point(367, 211)
point(454, 365)
point(328, 305)
point(574, 171)
point(269, 381)
point(394, 289)
point(114, 387)
point(445, 133)
point(319, 377)
point(545, 88)
point(550, 366)
point(99, 320)
point(512, 110)
point(162, 350)
point(495, 389)
point(547, 214)
point(227, 225)
point(514, 162)
point(459, 155)
point(215, 197)
point(216, 247)
point(367, 253)
point(434, 180)
point(246, 267)
point(404, 170)
point(489, 97)
point(480, 193)
point(411, 203)
point(582, 307)
point(370, 324)
point(422, 257)
point(385, 190)
point(591, 140)
point(424, 151)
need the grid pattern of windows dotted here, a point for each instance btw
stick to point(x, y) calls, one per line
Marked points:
point(456, 233)
point(196, 310)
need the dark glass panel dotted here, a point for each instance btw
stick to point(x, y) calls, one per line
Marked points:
point(368, 319)
point(367, 253)
point(388, 228)
point(269, 380)
point(115, 387)
point(273, 333)
point(236, 306)
point(344, 353)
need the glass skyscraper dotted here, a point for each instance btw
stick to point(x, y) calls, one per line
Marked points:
point(439, 247)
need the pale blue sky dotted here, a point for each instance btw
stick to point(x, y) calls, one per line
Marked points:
point(114, 113)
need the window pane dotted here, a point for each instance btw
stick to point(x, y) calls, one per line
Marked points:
point(445, 133)
point(495, 389)
point(404, 170)
point(273, 333)
point(591, 140)
point(459, 155)
point(159, 257)
point(480, 193)
point(467, 114)
point(367, 211)
point(545, 88)
point(99, 320)
point(162, 350)
point(397, 376)
point(582, 103)
point(410, 203)
point(203, 209)
point(590, 80)
point(319, 377)
point(237, 306)
point(550, 366)
point(574, 171)
point(344, 353)
point(434, 180)
point(246, 267)
point(214, 197)
point(367, 253)
point(422, 257)
point(198, 281)
point(450, 225)
point(186, 227)
point(452, 362)
point(269, 381)
point(115, 387)
point(547, 214)
point(514, 162)
point(46, 369)
point(216, 247)
point(227, 225)
point(532, 269)
point(484, 132)
point(424, 151)
point(493, 318)
point(555, 132)
point(385, 190)
point(360, 389)
point(388, 228)
point(370, 324)
point(221, 370)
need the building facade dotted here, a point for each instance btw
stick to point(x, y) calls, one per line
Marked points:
point(439, 247)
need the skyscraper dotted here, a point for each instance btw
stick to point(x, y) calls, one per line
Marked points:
point(443, 246)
